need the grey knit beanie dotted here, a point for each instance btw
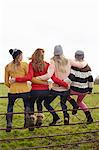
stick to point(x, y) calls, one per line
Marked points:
point(58, 50)
point(79, 55)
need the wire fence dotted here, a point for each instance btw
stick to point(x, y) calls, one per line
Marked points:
point(70, 135)
point(60, 145)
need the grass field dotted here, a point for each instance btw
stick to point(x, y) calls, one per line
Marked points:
point(91, 100)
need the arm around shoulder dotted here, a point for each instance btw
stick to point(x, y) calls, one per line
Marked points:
point(28, 76)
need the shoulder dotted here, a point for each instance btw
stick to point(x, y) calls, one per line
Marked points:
point(46, 63)
point(30, 63)
point(79, 64)
point(70, 61)
point(86, 68)
point(24, 63)
point(8, 66)
point(52, 61)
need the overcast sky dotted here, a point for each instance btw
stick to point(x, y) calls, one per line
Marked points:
point(29, 24)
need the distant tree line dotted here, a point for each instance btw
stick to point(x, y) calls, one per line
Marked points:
point(96, 81)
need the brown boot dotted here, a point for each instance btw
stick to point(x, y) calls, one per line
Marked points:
point(31, 120)
point(40, 117)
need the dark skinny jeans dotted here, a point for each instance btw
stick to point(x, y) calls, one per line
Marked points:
point(63, 98)
point(11, 100)
point(38, 96)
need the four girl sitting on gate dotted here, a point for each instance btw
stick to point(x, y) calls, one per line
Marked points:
point(63, 72)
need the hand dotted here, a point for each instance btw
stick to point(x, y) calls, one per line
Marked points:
point(12, 80)
point(55, 85)
point(68, 86)
point(90, 91)
point(50, 85)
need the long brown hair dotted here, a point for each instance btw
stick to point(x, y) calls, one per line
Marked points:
point(38, 60)
point(16, 63)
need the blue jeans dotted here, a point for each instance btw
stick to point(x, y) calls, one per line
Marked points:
point(38, 96)
point(63, 98)
point(11, 100)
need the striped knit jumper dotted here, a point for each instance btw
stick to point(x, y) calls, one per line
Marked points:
point(82, 79)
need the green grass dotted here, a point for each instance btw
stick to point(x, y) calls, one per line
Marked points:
point(18, 121)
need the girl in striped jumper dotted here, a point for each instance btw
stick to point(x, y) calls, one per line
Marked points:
point(82, 83)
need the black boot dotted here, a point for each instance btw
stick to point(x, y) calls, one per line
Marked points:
point(66, 120)
point(9, 123)
point(27, 117)
point(27, 121)
point(89, 117)
point(75, 106)
point(55, 120)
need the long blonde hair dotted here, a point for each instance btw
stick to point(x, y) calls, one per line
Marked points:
point(38, 60)
point(60, 63)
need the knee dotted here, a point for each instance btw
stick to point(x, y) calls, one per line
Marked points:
point(38, 102)
point(78, 102)
point(45, 103)
point(10, 107)
point(62, 102)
